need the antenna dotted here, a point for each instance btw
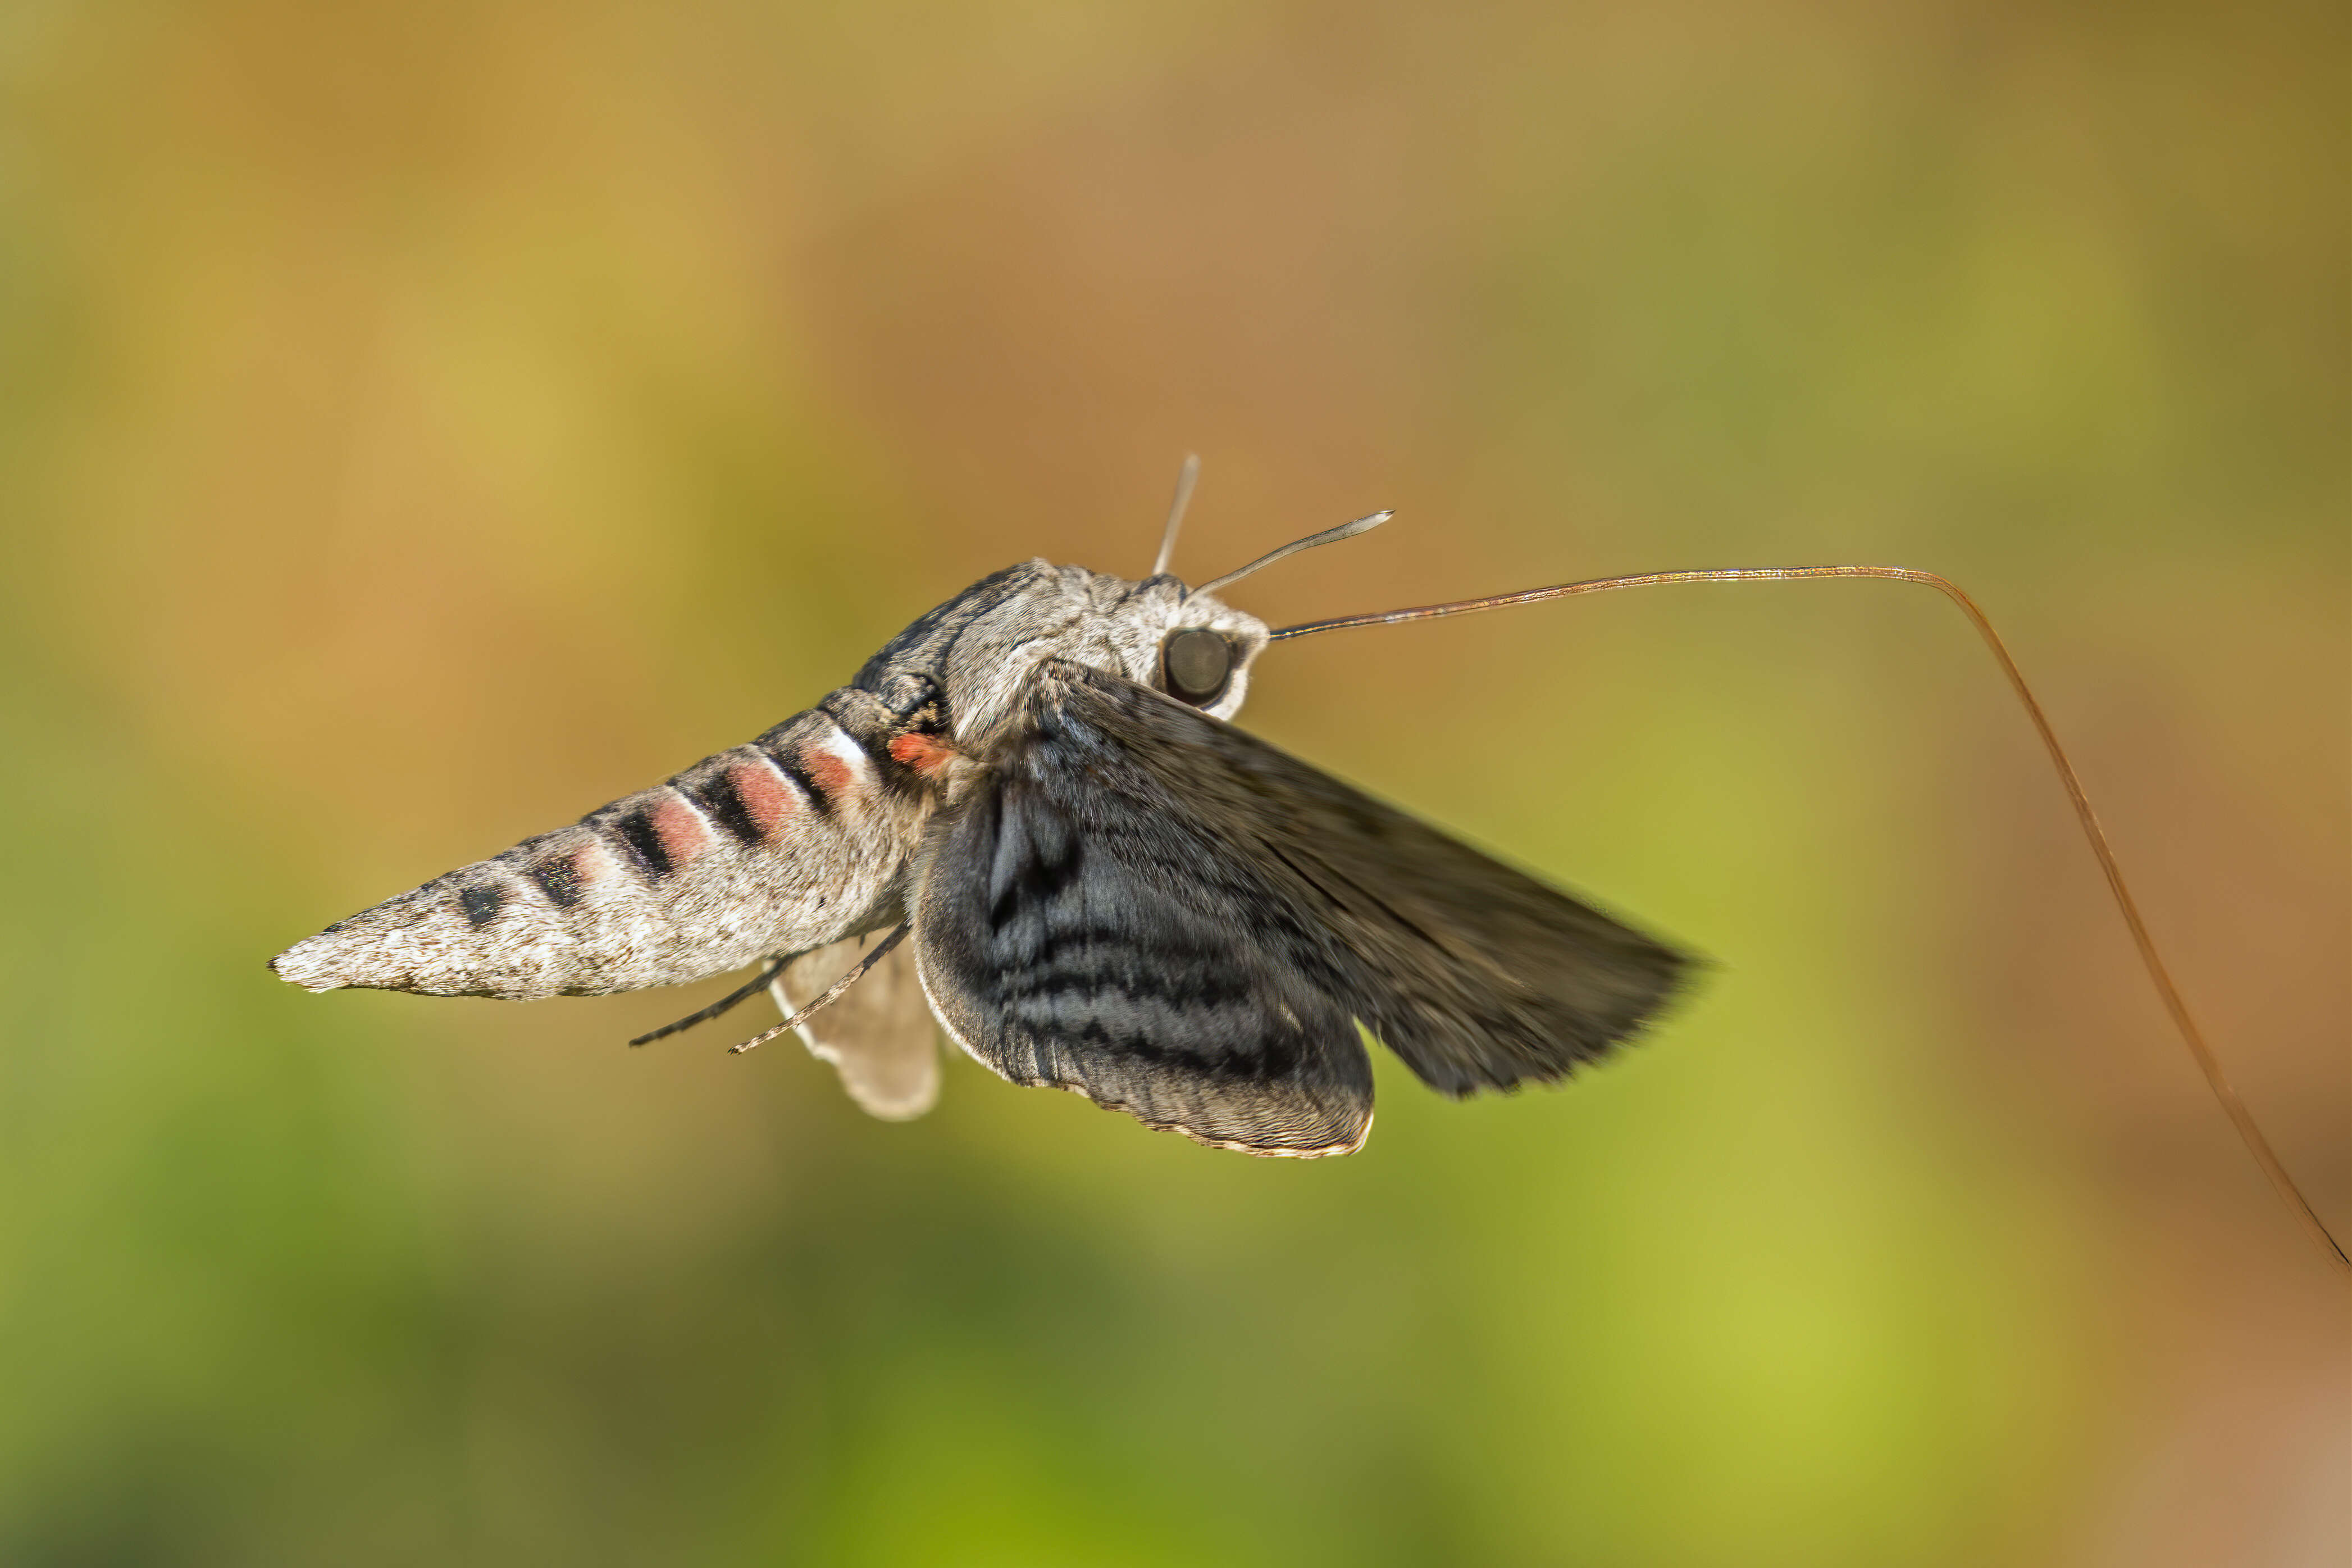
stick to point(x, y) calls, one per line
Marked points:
point(1328, 536)
point(1186, 478)
point(2174, 1003)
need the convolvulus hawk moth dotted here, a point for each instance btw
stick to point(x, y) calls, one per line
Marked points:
point(1029, 820)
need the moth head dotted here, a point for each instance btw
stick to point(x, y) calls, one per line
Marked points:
point(1205, 653)
point(1199, 649)
point(1196, 665)
point(982, 646)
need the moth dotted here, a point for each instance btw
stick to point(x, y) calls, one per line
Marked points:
point(1030, 823)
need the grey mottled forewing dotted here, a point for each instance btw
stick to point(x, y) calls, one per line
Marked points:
point(879, 1035)
point(1148, 906)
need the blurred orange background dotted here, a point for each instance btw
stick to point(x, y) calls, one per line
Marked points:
point(420, 423)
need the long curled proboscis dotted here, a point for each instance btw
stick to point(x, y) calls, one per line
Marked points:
point(2174, 1003)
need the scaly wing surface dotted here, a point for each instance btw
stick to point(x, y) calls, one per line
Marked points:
point(1146, 906)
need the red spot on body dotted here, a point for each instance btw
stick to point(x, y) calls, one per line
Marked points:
point(828, 773)
point(767, 798)
point(679, 828)
point(591, 864)
point(924, 753)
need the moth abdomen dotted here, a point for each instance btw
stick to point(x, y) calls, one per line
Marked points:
point(727, 802)
point(779, 846)
point(901, 731)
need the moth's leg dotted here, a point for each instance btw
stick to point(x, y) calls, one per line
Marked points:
point(831, 994)
point(770, 969)
point(879, 1035)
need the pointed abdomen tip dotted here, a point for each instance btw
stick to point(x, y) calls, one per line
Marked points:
point(305, 965)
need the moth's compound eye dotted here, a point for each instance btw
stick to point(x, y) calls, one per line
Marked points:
point(1198, 664)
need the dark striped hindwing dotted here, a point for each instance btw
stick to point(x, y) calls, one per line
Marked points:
point(1146, 906)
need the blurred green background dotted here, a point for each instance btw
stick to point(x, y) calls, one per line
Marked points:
point(420, 423)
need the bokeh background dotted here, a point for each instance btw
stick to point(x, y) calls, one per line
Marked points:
point(422, 422)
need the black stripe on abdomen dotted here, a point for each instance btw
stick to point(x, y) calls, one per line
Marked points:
point(559, 878)
point(719, 797)
point(789, 764)
point(637, 831)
